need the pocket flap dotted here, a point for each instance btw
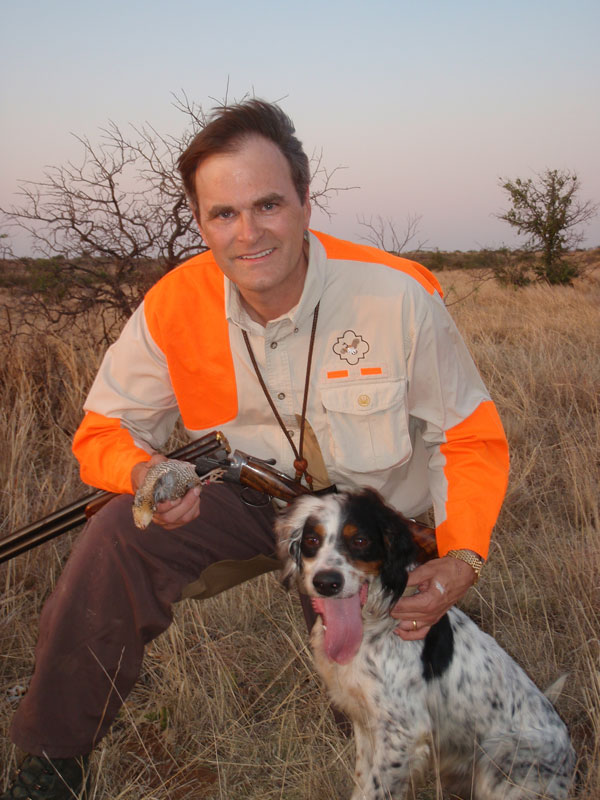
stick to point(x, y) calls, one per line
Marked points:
point(362, 397)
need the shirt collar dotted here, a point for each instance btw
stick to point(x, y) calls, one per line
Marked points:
point(311, 294)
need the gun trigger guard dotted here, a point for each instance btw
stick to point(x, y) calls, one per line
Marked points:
point(248, 502)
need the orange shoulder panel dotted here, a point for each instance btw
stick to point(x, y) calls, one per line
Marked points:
point(338, 249)
point(476, 469)
point(185, 314)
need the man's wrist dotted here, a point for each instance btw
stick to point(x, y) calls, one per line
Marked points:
point(471, 558)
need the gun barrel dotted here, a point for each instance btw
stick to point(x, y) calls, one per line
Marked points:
point(75, 514)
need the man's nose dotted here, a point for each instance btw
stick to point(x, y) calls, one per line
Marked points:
point(248, 227)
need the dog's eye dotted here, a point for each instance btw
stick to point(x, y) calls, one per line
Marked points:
point(360, 542)
point(312, 536)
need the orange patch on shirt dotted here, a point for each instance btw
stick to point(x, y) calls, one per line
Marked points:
point(340, 373)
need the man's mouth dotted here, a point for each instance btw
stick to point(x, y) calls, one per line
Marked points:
point(262, 254)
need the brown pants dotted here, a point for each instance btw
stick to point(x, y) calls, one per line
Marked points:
point(115, 595)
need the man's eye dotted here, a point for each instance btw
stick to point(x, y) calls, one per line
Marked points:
point(225, 214)
point(269, 206)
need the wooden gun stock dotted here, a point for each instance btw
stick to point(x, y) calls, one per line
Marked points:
point(262, 477)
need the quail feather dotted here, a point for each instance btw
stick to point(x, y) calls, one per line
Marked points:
point(167, 480)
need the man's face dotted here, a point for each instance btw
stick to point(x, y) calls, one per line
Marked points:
point(251, 217)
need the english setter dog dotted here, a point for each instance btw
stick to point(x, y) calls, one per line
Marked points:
point(455, 701)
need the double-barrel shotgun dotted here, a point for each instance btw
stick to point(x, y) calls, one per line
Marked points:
point(211, 452)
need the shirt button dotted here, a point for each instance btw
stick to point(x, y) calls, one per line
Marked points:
point(281, 396)
point(364, 400)
point(273, 345)
point(290, 433)
point(296, 330)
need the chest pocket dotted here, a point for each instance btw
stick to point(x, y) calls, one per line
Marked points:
point(368, 423)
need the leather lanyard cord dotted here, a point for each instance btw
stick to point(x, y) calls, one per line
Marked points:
point(300, 463)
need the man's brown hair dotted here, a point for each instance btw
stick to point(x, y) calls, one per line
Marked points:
point(229, 126)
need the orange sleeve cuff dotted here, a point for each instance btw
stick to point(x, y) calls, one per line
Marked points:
point(106, 453)
point(476, 471)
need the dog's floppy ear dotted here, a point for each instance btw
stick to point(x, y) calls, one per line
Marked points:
point(288, 530)
point(400, 549)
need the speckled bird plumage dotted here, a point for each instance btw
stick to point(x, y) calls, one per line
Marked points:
point(167, 480)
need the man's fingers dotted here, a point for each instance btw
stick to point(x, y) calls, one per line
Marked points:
point(174, 513)
point(423, 604)
point(441, 583)
point(410, 633)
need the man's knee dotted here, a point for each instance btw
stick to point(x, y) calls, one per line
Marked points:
point(113, 520)
point(108, 531)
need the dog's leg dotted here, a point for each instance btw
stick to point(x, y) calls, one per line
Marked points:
point(387, 763)
point(509, 770)
point(363, 740)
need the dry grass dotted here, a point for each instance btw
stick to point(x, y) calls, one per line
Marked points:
point(228, 706)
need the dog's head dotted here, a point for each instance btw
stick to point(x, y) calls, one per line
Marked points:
point(341, 547)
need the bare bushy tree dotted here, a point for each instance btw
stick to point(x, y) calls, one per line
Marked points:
point(550, 213)
point(106, 225)
point(109, 224)
point(385, 234)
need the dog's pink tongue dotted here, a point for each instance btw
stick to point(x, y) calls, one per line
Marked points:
point(343, 626)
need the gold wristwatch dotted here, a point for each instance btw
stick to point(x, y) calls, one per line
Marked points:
point(470, 558)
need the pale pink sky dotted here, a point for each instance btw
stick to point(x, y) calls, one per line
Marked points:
point(426, 104)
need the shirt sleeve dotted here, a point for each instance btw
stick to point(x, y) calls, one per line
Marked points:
point(130, 411)
point(468, 452)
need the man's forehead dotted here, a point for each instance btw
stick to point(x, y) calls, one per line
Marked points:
point(251, 175)
point(252, 157)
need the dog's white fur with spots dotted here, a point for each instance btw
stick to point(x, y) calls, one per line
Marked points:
point(455, 701)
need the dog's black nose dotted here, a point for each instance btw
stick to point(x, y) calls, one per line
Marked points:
point(328, 582)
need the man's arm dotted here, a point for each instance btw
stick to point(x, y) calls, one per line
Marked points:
point(468, 465)
point(130, 410)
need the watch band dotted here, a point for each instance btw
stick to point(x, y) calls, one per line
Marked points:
point(470, 558)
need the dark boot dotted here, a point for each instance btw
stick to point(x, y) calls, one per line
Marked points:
point(40, 778)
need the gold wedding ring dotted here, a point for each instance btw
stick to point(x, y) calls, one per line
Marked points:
point(414, 623)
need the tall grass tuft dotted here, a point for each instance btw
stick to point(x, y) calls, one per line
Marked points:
point(228, 705)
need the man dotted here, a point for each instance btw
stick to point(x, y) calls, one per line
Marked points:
point(338, 360)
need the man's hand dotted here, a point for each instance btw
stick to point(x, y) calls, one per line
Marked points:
point(172, 513)
point(440, 583)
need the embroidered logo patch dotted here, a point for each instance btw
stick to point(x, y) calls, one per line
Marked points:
point(351, 347)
